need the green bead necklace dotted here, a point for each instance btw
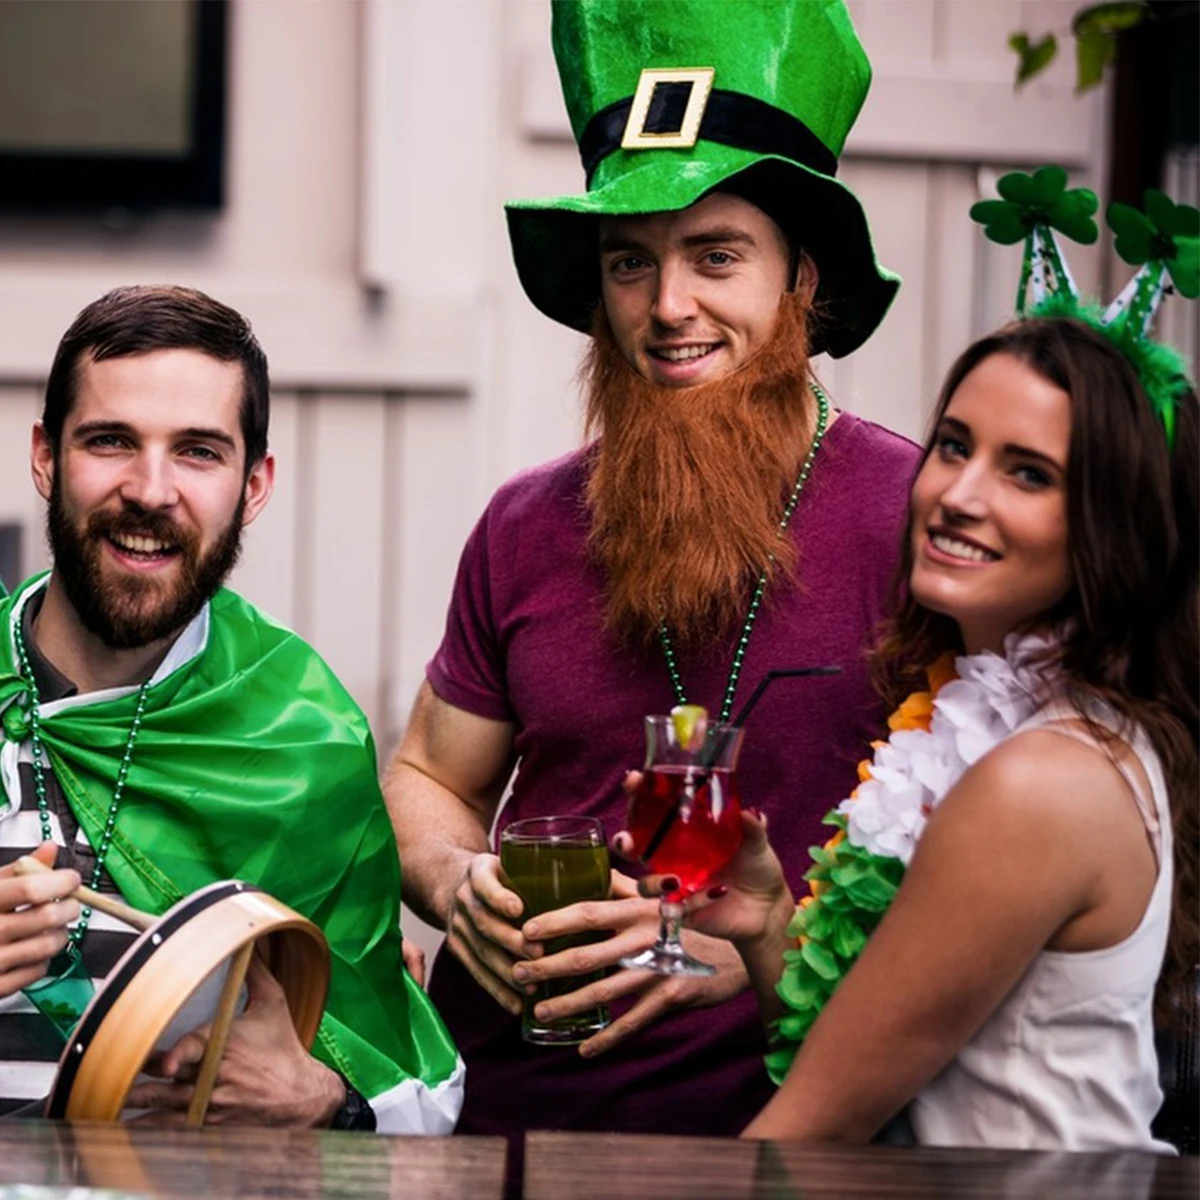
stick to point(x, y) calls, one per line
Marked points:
point(739, 653)
point(39, 779)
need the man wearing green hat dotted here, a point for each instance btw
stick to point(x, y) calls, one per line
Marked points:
point(160, 734)
point(725, 522)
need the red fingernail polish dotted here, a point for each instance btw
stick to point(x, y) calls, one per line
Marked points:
point(670, 883)
point(715, 893)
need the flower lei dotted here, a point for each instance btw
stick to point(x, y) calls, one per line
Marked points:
point(971, 705)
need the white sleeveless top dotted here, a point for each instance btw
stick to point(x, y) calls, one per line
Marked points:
point(1067, 1061)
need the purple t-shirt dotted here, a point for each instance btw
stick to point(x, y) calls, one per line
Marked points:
point(524, 643)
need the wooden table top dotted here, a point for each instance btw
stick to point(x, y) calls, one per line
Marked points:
point(256, 1163)
point(582, 1166)
point(246, 1163)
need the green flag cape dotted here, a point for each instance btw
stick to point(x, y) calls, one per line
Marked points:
point(254, 763)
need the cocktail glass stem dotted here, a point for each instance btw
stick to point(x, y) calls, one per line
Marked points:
point(667, 956)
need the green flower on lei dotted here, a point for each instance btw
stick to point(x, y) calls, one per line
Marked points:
point(851, 890)
point(971, 704)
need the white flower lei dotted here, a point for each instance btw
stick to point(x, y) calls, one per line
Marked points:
point(913, 770)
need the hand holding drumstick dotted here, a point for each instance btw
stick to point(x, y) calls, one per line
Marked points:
point(34, 916)
point(29, 865)
point(214, 1047)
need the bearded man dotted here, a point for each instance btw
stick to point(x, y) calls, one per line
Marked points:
point(723, 523)
point(161, 734)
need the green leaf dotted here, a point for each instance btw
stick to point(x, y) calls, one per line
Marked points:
point(821, 961)
point(836, 901)
point(778, 1062)
point(817, 922)
point(817, 874)
point(1033, 58)
point(1134, 230)
point(872, 893)
point(847, 938)
point(1187, 221)
point(1073, 214)
point(1001, 220)
point(1171, 218)
point(1019, 188)
point(1050, 182)
point(800, 993)
point(798, 1024)
point(1094, 50)
point(1110, 17)
point(1185, 267)
point(848, 874)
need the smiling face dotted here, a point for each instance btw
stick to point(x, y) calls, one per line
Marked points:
point(148, 491)
point(989, 506)
point(691, 296)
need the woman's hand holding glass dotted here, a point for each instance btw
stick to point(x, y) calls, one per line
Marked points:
point(749, 898)
point(749, 904)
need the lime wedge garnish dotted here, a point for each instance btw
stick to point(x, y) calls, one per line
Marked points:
point(689, 720)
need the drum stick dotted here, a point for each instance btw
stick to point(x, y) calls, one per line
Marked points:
point(206, 1077)
point(105, 904)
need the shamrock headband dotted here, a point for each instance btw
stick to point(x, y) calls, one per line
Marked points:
point(1163, 242)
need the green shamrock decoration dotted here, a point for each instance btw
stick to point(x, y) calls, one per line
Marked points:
point(1166, 233)
point(1038, 199)
point(61, 1012)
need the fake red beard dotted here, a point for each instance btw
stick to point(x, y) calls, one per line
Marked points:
point(687, 486)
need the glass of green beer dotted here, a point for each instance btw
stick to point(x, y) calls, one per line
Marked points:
point(551, 862)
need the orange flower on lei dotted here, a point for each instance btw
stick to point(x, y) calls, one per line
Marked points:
point(915, 712)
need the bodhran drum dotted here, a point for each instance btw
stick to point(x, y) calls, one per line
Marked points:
point(164, 984)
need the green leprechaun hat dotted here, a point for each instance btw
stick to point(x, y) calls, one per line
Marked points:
point(671, 99)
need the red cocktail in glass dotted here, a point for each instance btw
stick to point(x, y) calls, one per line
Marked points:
point(684, 820)
point(701, 813)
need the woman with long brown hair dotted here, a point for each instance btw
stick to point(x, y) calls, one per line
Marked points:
point(1051, 830)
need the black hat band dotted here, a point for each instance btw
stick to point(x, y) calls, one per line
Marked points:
point(731, 118)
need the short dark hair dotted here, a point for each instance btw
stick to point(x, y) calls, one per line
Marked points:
point(136, 320)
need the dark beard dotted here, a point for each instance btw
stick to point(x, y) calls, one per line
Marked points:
point(687, 485)
point(130, 613)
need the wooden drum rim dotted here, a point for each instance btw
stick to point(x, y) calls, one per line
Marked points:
point(158, 973)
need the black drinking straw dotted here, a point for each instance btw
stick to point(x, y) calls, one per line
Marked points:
point(782, 673)
point(714, 752)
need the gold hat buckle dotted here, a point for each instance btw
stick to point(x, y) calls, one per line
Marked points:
point(637, 137)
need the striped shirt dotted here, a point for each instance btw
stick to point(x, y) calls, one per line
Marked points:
point(29, 1044)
